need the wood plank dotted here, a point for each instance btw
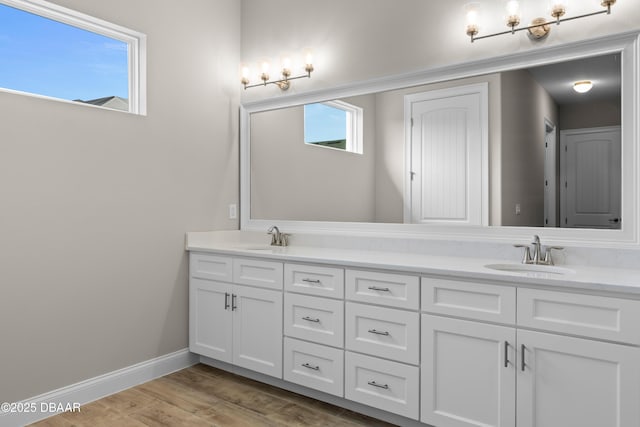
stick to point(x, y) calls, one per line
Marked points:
point(206, 396)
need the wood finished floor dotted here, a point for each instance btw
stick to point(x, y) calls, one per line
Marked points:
point(205, 396)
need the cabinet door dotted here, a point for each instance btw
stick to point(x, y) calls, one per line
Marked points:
point(468, 373)
point(573, 382)
point(210, 319)
point(257, 330)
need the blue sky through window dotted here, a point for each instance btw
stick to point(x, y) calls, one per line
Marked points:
point(42, 56)
point(324, 123)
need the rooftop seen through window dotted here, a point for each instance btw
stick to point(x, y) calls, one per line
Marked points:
point(46, 57)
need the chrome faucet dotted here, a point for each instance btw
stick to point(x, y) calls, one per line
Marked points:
point(538, 250)
point(535, 259)
point(278, 238)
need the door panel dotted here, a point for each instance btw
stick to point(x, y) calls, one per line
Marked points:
point(448, 145)
point(257, 330)
point(468, 373)
point(592, 172)
point(573, 382)
point(210, 319)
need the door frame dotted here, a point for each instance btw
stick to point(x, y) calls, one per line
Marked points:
point(551, 172)
point(481, 89)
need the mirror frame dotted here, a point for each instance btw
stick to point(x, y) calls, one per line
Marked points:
point(627, 237)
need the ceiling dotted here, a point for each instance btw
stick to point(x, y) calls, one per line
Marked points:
point(557, 79)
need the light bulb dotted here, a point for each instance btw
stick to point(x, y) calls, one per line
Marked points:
point(513, 13)
point(245, 74)
point(308, 61)
point(286, 66)
point(265, 72)
point(472, 13)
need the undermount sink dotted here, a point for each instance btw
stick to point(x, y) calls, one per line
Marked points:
point(530, 269)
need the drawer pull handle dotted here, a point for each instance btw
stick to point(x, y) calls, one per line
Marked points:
point(311, 319)
point(376, 288)
point(373, 331)
point(506, 354)
point(522, 349)
point(375, 384)
point(312, 281)
point(308, 366)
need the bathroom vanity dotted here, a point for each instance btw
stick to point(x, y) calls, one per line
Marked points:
point(414, 338)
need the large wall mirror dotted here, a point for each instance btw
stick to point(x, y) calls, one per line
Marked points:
point(499, 148)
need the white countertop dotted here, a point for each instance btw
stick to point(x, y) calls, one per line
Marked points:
point(578, 277)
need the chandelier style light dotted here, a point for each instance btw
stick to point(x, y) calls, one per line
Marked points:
point(283, 83)
point(539, 27)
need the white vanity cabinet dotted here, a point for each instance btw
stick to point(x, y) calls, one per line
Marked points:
point(479, 373)
point(429, 350)
point(232, 322)
point(314, 327)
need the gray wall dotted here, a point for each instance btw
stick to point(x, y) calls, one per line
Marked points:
point(525, 106)
point(95, 203)
point(591, 114)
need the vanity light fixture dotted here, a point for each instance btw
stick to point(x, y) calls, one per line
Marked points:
point(285, 82)
point(539, 27)
point(583, 86)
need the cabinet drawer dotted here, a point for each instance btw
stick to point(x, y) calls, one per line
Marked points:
point(253, 272)
point(591, 316)
point(478, 301)
point(395, 290)
point(314, 366)
point(314, 280)
point(210, 267)
point(383, 384)
point(314, 319)
point(384, 332)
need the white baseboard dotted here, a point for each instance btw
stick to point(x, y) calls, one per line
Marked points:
point(38, 407)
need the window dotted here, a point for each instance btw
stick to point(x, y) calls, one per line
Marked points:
point(47, 50)
point(334, 124)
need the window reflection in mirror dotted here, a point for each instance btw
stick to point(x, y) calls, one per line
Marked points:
point(333, 124)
